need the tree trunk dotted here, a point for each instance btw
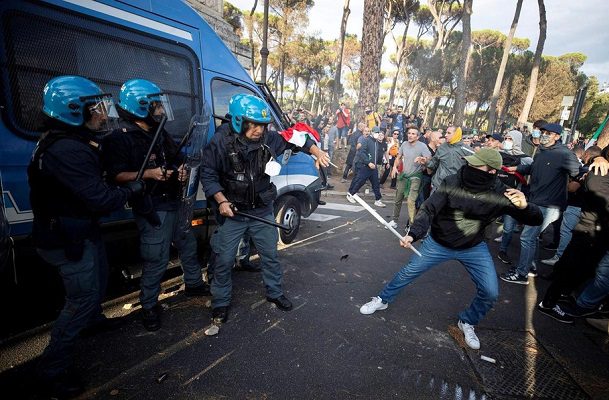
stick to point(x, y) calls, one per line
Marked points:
point(466, 45)
point(282, 74)
point(434, 109)
point(473, 120)
point(372, 52)
point(543, 26)
point(339, 62)
point(492, 113)
point(417, 100)
point(399, 58)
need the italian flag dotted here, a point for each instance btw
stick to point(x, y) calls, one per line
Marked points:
point(298, 134)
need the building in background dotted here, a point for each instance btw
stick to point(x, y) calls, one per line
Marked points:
point(212, 11)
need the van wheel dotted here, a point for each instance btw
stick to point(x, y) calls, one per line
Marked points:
point(287, 212)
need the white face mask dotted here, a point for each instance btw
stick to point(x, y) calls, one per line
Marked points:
point(508, 145)
point(536, 133)
point(545, 139)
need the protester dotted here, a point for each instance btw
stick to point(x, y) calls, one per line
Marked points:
point(366, 161)
point(343, 121)
point(448, 158)
point(353, 140)
point(412, 155)
point(458, 213)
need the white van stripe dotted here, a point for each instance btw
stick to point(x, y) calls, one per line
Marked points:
point(127, 16)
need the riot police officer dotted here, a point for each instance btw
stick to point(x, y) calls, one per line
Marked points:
point(68, 196)
point(236, 172)
point(141, 106)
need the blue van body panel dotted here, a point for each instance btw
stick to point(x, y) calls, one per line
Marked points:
point(175, 22)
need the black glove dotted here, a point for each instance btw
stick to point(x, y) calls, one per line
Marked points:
point(135, 187)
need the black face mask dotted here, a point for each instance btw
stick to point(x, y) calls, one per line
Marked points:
point(477, 180)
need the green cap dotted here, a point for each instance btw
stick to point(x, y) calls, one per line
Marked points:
point(485, 156)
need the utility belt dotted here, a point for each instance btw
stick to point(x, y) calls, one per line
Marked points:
point(244, 200)
point(68, 233)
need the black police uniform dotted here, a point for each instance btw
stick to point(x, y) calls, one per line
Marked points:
point(156, 213)
point(68, 196)
point(235, 166)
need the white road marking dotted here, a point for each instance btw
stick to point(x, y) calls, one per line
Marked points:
point(340, 207)
point(321, 217)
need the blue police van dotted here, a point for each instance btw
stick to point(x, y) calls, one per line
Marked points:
point(110, 42)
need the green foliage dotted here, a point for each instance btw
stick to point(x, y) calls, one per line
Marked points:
point(233, 15)
point(595, 116)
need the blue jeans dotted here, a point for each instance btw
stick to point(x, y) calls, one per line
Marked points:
point(530, 236)
point(570, 218)
point(224, 244)
point(342, 132)
point(155, 244)
point(598, 289)
point(85, 285)
point(477, 261)
point(362, 174)
point(509, 224)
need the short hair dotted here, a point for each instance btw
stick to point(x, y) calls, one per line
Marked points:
point(539, 123)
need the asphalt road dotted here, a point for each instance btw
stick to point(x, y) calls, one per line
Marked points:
point(325, 348)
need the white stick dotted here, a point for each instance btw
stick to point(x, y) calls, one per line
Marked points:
point(469, 150)
point(332, 164)
point(382, 221)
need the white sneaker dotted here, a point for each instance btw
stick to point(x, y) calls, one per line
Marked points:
point(551, 261)
point(375, 304)
point(498, 239)
point(379, 203)
point(470, 335)
point(393, 224)
point(350, 198)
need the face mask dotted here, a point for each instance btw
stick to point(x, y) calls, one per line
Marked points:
point(536, 133)
point(545, 139)
point(476, 180)
point(375, 135)
point(508, 145)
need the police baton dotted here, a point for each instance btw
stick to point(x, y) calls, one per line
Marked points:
point(155, 139)
point(266, 221)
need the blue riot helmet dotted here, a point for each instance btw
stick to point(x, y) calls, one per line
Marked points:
point(143, 99)
point(76, 101)
point(247, 107)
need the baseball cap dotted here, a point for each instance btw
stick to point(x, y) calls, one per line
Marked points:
point(495, 136)
point(485, 156)
point(376, 129)
point(554, 128)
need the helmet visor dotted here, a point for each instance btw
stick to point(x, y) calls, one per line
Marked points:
point(159, 106)
point(102, 113)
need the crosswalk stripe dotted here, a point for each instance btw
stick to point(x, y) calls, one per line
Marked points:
point(340, 207)
point(321, 217)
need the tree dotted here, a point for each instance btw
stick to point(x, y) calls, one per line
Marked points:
point(372, 51)
point(403, 11)
point(492, 113)
point(466, 45)
point(233, 15)
point(339, 61)
point(543, 26)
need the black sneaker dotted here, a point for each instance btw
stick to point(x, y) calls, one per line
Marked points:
point(555, 312)
point(197, 291)
point(219, 315)
point(151, 319)
point(514, 277)
point(576, 311)
point(504, 258)
point(321, 202)
point(281, 302)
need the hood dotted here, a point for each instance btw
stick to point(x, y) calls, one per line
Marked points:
point(517, 139)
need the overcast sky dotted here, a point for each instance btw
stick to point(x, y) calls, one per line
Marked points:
point(573, 26)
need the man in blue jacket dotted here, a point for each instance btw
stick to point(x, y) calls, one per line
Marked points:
point(550, 171)
point(366, 160)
